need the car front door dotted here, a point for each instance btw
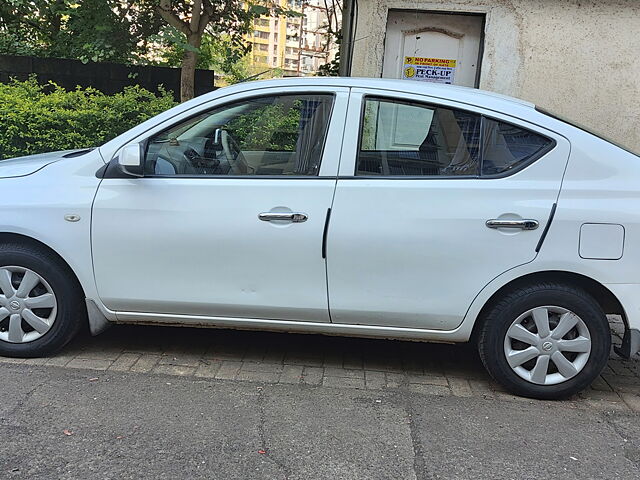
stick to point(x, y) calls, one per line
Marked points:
point(228, 219)
point(409, 244)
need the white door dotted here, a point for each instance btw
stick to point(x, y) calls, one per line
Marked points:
point(408, 241)
point(441, 48)
point(228, 220)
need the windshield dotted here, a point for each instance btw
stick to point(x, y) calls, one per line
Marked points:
point(587, 129)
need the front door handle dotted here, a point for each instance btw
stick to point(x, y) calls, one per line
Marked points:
point(524, 224)
point(293, 217)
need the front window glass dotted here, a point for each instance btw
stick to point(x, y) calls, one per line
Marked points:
point(274, 135)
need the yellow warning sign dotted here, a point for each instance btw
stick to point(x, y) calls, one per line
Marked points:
point(438, 70)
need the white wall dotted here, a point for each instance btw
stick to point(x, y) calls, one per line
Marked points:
point(580, 58)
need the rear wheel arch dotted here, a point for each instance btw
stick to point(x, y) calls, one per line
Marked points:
point(601, 294)
point(547, 340)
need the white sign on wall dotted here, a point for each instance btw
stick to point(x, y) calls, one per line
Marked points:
point(437, 70)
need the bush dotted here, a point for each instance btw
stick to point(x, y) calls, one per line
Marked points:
point(42, 118)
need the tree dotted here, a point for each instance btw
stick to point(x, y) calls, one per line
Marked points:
point(88, 30)
point(100, 30)
point(334, 33)
point(230, 18)
point(30, 26)
point(217, 53)
point(138, 32)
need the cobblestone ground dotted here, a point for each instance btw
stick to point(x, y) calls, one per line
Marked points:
point(226, 355)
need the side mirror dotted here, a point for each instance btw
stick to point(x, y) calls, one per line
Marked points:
point(130, 159)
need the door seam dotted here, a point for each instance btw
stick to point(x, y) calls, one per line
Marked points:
point(333, 198)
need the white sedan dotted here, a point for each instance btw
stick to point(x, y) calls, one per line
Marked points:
point(377, 208)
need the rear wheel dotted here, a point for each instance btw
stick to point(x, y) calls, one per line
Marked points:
point(41, 303)
point(545, 341)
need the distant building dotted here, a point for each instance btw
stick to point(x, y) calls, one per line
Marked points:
point(296, 45)
point(580, 59)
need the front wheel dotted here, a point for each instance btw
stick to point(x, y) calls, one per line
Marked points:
point(41, 306)
point(546, 341)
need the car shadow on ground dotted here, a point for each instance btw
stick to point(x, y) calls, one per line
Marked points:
point(288, 348)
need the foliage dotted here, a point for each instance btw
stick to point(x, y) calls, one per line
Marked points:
point(226, 57)
point(270, 127)
point(36, 118)
point(214, 52)
point(88, 30)
point(332, 68)
point(235, 65)
point(100, 30)
point(27, 25)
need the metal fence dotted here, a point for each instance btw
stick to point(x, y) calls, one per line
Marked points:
point(106, 77)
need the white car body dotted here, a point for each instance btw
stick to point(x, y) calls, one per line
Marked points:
point(192, 251)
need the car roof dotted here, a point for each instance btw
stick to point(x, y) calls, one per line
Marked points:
point(473, 96)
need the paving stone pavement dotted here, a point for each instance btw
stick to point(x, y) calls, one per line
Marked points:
point(431, 369)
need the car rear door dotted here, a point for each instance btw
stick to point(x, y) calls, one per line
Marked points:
point(433, 201)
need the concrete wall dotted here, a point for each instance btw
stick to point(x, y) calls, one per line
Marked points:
point(579, 58)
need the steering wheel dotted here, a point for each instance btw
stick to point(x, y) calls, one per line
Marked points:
point(233, 153)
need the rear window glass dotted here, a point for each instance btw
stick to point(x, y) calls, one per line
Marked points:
point(409, 139)
point(412, 139)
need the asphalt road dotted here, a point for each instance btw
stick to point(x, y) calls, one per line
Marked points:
point(73, 424)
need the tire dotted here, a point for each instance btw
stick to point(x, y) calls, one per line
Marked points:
point(56, 325)
point(527, 307)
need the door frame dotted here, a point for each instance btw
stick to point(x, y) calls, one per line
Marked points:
point(483, 15)
point(351, 143)
point(327, 174)
point(331, 152)
point(545, 173)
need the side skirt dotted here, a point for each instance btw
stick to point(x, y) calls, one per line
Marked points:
point(461, 334)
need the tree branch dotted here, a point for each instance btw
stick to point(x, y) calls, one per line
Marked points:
point(208, 8)
point(206, 17)
point(196, 11)
point(165, 11)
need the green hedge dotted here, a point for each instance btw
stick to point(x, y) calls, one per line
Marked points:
point(36, 118)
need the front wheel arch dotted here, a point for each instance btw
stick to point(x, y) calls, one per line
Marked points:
point(20, 239)
point(46, 283)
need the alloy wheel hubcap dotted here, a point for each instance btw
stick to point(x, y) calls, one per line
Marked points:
point(547, 345)
point(28, 305)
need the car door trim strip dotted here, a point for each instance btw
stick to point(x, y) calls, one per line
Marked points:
point(546, 228)
point(324, 233)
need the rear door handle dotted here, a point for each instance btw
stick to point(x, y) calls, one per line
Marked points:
point(293, 217)
point(524, 224)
